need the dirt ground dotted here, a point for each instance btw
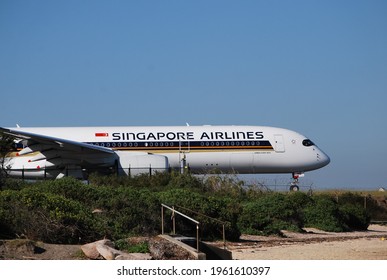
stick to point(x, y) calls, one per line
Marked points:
point(25, 249)
point(315, 245)
point(312, 245)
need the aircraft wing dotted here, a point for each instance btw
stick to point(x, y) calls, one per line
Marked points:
point(57, 143)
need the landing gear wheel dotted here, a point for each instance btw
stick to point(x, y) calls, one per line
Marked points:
point(294, 185)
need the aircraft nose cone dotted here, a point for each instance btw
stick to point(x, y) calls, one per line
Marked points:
point(323, 158)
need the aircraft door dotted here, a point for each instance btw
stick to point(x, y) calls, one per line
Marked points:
point(184, 148)
point(279, 146)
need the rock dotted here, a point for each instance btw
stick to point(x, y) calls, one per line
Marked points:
point(163, 250)
point(108, 253)
point(105, 248)
point(90, 249)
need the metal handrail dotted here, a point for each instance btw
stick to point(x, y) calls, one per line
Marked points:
point(223, 223)
point(173, 217)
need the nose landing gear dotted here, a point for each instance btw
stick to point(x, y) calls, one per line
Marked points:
point(294, 185)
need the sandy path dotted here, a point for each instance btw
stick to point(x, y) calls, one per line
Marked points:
point(315, 245)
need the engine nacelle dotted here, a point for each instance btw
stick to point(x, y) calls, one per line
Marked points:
point(137, 163)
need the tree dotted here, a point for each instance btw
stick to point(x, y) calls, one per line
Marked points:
point(7, 145)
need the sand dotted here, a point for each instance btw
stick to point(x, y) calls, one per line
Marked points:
point(315, 245)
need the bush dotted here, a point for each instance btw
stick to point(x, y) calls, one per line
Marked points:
point(186, 181)
point(69, 188)
point(130, 211)
point(130, 246)
point(377, 208)
point(13, 184)
point(374, 210)
point(60, 211)
point(270, 214)
point(156, 182)
point(323, 214)
point(43, 216)
point(299, 201)
point(354, 217)
point(226, 185)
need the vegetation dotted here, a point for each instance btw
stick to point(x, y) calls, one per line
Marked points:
point(6, 145)
point(129, 246)
point(274, 212)
point(70, 211)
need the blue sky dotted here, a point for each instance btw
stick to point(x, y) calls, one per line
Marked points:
point(317, 67)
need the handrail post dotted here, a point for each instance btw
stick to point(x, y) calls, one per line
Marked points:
point(224, 237)
point(197, 238)
point(173, 220)
point(162, 219)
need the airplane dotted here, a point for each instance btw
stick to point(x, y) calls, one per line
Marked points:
point(55, 152)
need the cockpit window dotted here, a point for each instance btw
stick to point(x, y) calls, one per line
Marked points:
point(307, 143)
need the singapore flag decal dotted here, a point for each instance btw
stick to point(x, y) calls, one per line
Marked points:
point(101, 134)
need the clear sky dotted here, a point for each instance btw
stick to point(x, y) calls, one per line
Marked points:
point(317, 67)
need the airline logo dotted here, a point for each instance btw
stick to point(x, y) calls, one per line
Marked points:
point(171, 136)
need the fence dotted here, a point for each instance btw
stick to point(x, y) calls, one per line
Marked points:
point(81, 173)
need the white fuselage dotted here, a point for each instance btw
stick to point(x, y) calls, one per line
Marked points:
point(241, 149)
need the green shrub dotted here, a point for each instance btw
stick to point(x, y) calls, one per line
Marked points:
point(186, 180)
point(51, 213)
point(12, 214)
point(354, 217)
point(133, 212)
point(374, 209)
point(351, 198)
point(132, 247)
point(323, 214)
point(377, 208)
point(14, 184)
point(60, 211)
point(44, 216)
point(69, 188)
point(226, 185)
point(346, 215)
point(270, 214)
point(298, 201)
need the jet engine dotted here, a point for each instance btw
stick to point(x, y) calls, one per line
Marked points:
point(137, 163)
